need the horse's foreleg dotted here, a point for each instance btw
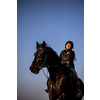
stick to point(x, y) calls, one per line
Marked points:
point(52, 97)
point(62, 96)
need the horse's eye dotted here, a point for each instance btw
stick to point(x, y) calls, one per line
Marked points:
point(40, 59)
point(41, 54)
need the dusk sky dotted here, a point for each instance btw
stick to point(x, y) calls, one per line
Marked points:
point(24, 22)
point(52, 21)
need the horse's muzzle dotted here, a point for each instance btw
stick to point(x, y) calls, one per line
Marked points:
point(30, 68)
point(34, 70)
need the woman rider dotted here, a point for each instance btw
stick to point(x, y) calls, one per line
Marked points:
point(67, 57)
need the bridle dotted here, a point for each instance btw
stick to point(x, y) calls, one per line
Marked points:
point(44, 57)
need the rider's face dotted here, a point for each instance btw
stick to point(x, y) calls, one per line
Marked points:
point(68, 46)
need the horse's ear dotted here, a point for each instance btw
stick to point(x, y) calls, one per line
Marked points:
point(36, 44)
point(44, 44)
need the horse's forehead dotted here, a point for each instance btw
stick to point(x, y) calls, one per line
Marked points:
point(39, 46)
point(39, 51)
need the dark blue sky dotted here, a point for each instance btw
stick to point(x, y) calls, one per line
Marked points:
point(56, 22)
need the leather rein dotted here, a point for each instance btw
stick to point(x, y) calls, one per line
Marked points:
point(48, 67)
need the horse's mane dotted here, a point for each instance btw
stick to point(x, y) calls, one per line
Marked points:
point(53, 54)
point(50, 50)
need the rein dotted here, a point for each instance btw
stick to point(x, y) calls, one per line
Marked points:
point(47, 76)
point(50, 79)
point(48, 67)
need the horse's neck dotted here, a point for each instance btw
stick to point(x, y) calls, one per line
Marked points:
point(53, 71)
point(52, 60)
point(53, 67)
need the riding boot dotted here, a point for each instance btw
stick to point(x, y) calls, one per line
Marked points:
point(78, 90)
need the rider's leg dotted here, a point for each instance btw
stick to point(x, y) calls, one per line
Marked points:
point(78, 91)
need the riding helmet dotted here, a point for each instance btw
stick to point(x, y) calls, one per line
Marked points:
point(72, 44)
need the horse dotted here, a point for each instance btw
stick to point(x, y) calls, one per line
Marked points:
point(59, 84)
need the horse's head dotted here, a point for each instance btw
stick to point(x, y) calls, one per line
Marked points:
point(39, 59)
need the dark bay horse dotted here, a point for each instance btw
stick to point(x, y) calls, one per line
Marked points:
point(59, 84)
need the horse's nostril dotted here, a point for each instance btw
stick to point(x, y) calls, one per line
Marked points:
point(30, 67)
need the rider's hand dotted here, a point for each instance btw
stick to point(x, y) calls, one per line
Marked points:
point(67, 62)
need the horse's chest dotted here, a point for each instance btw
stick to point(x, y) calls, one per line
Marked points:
point(57, 87)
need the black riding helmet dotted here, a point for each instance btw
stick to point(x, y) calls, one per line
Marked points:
point(72, 44)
